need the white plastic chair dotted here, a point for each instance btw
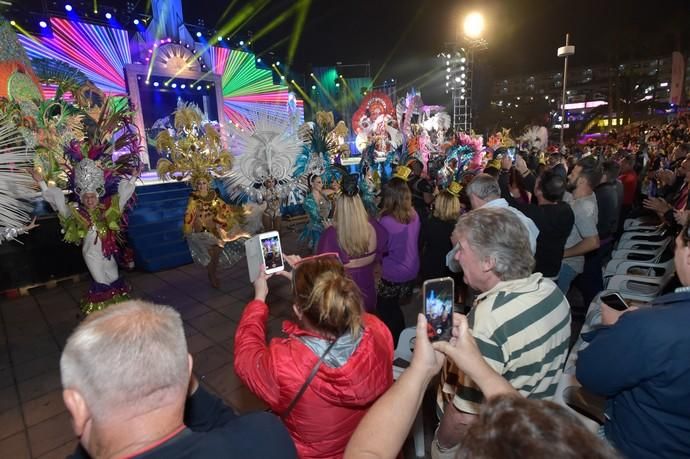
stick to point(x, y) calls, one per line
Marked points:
point(624, 267)
point(652, 255)
point(637, 244)
point(638, 223)
point(403, 351)
point(639, 288)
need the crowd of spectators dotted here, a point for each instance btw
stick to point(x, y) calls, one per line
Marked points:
point(519, 239)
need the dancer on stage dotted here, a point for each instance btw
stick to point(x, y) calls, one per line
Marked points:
point(95, 220)
point(213, 228)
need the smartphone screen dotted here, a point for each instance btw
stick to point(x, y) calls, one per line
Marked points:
point(511, 153)
point(614, 301)
point(438, 307)
point(271, 252)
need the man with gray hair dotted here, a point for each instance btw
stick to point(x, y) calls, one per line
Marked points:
point(520, 320)
point(127, 382)
point(485, 192)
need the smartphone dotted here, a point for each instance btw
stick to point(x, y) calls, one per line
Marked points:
point(271, 252)
point(615, 301)
point(438, 307)
point(512, 151)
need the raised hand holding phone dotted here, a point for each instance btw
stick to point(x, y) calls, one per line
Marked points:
point(438, 295)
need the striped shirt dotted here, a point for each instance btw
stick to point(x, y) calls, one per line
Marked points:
point(522, 328)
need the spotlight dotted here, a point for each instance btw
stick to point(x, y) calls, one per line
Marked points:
point(448, 69)
point(311, 75)
point(136, 22)
point(198, 88)
point(108, 16)
point(166, 83)
point(68, 7)
point(278, 63)
point(220, 38)
point(43, 24)
point(463, 60)
point(148, 82)
point(282, 77)
point(337, 85)
point(182, 86)
point(313, 86)
point(241, 43)
point(258, 60)
point(156, 84)
point(13, 23)
point(457, 79)
point(174, 85)
point(208, 86)
point(198, 34)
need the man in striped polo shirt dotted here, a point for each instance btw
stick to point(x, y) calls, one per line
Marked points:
point(521, 321)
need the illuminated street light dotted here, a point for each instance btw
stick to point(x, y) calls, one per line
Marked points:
point(473, 26)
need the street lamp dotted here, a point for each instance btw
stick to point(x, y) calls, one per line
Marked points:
point(565, 51)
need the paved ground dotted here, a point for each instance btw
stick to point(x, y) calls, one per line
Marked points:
point(33, 329)
point(34, 422)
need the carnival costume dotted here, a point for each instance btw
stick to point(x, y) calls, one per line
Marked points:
point(265, 155)
point(14, 182)
point(97, 228)
point(195, 150)
point(316, 159)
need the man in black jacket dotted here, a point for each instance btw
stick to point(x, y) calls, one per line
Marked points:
point(553, 217)
point(126, 382)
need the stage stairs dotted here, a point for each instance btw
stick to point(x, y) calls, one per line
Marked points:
point(155, 226)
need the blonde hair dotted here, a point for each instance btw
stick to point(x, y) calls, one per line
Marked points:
point(397, 201)
point(446, 206)
point(327, 297)
point(127, 357)
point(352, 225)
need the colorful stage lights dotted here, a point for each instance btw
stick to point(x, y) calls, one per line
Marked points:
point(156, 84)
point(241, 43)
point(43, 24)
point(174, 85)
point(68, 7)
point(108, 16)
point(198, 34)
point(136, 22)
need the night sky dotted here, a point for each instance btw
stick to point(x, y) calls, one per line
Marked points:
point(406, 35)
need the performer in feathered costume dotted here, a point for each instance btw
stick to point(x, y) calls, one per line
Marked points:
point(213, 229)
point(101, 191)
point(265, 156)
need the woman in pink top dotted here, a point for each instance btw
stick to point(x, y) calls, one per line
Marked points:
point(401, 264)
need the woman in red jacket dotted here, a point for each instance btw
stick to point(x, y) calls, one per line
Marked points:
point(335, 362)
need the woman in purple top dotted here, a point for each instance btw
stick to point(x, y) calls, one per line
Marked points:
point(358, 240)
point(401, 264)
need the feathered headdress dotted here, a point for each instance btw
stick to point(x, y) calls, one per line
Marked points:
point(194, 148)
point(15, 183)
point(467, 151)
point(265, 151)
point(535, 137)
point(500, 140)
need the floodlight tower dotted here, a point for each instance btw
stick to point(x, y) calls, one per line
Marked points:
point(461, 69)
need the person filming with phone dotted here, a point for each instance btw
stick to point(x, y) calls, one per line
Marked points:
point(333, 365)
point(521, 321)
point(639, 361)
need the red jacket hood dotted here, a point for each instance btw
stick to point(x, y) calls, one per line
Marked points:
point(366, 374)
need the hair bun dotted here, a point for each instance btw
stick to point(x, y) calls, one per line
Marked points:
point(350, 185)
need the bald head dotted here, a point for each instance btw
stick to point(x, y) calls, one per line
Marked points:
point(128, 356)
